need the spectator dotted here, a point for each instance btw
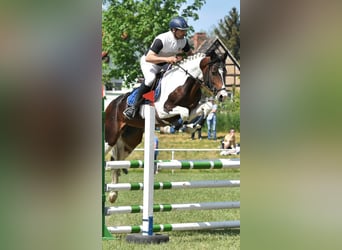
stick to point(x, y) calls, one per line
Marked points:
point(229, 140)
point(198, 122)
point(229, 144)
point(211, 120)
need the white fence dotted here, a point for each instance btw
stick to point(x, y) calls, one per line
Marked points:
point(173, 150)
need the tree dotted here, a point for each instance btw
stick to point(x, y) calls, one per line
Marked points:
point(228, 31)
point(129, 27)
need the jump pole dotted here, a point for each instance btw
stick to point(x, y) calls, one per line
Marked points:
point(147, 236)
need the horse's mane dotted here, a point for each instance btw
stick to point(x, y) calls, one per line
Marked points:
point(189, 61)
point(192, 58)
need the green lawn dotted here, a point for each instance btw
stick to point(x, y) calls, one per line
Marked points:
point(183, 140)
point(213, 239)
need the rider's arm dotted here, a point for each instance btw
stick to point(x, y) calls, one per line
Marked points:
point(153, 57)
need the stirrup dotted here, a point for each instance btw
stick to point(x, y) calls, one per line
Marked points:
point(130, 112)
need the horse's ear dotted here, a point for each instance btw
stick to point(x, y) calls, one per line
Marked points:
point(224, 57)
point(213, 56)
point(220, 57)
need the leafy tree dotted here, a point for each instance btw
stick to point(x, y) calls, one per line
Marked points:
point(129, 27)
point(228, 31)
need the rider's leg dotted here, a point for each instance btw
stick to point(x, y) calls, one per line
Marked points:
point(149, 70)
point(131, 111)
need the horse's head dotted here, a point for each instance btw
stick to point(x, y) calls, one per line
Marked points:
point(214, 75)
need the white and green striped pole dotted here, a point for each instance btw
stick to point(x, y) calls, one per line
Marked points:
point(174, 207)
point(178, 164)
point(196, 164)
point(178, 226)
point(173, 185)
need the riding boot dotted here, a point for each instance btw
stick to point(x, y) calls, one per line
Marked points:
point(131, 111)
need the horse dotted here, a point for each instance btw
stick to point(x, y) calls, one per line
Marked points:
point(180, 91)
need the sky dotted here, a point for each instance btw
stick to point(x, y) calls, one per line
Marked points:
point(211, 13)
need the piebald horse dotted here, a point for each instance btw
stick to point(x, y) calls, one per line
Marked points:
point(180, 92)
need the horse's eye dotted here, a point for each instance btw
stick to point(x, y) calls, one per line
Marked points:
point(214, 70)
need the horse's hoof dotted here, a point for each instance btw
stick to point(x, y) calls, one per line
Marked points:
point(112, 197)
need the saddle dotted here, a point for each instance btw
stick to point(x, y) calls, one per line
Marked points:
point(155, 85)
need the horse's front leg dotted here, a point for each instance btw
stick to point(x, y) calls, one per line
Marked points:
point(118, 153)
point(183, 112)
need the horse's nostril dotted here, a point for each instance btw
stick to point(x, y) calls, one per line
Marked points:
point(222, 98)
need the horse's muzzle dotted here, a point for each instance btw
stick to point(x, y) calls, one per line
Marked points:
point(222, 95)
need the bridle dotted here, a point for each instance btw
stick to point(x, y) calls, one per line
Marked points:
point(220, 70)
point(206, 83)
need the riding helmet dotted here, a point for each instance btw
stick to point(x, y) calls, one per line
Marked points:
point(179, 23)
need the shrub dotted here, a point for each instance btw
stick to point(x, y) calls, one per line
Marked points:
point(228, 114)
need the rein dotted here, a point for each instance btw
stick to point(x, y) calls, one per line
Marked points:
point(197, 80)
point(187, 72)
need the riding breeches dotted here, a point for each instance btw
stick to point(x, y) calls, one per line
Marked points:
point(149, 70)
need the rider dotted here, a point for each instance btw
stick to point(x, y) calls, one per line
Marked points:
point(165, 48)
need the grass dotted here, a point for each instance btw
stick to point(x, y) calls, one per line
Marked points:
point(202, 239)
point(183, 140)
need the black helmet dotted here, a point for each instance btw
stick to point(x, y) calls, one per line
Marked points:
point(178, 23)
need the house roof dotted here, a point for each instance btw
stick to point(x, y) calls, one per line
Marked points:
point(215, 44)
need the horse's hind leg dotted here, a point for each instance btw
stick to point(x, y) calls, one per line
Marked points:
point(107, 148)
point(113, 195)
point(126, 143)
point(119, 152)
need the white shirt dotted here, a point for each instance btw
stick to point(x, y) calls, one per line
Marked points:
point(166, 44)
